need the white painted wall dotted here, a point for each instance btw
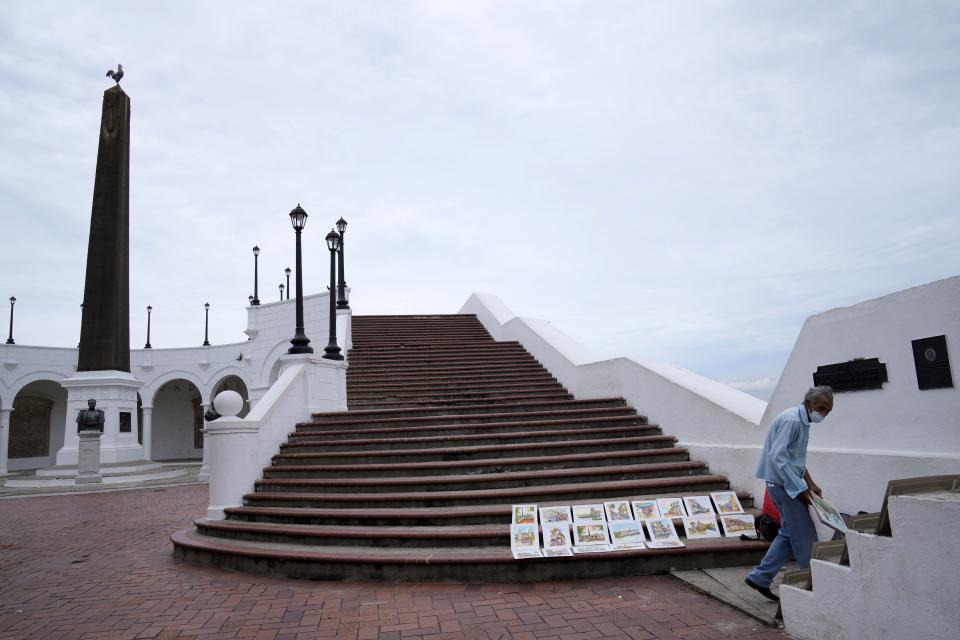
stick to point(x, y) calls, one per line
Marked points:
point(898, 431)
point(270, 327)
point(719, 424)
point(904, 586)
point(172, 428)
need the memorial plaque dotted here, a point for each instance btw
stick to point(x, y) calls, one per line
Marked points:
point(932, 363)
point(855, 375)
point(125, 425)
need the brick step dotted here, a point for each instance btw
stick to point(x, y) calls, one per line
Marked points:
point(472, 481)
point(441, 357)
point(448, 334)
point(401, 342)
point(426, 402)
point(371, 350)
point(467, 410)
point(393, 537)
point(573, 423)
point(458, 564)
point(359, 374)
point(441, 379)
point(493, 513)
point(393, 396)
point(457, 382)
point(358, 425)
point(288, 469)
point(308, 443)
point(435, 454)
point(517, 495)
point(440, 364)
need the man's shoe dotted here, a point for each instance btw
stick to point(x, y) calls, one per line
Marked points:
point(764, 591)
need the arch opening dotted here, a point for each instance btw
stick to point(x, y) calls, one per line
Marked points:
point(37, 425)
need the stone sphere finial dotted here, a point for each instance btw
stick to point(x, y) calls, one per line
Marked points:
point(228, 403)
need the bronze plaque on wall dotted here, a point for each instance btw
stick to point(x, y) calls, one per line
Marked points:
point(855, 375)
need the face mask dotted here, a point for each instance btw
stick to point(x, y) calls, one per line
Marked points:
point(815, 417)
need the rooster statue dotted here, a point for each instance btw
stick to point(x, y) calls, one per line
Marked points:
point(116, 75)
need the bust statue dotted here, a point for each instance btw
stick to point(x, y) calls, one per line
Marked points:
point(91, 418)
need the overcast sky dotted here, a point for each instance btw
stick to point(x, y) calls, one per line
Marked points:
point(675, 182)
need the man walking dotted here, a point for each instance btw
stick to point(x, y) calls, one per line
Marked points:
point(783, 465)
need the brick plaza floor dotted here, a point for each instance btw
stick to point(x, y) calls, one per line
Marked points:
point(100, 565)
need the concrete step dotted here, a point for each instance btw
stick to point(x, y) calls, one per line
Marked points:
point(490, 480)
point(517, 495)
point(286, 469)
point(435, 454)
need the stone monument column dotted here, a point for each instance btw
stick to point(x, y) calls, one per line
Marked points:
point(103, 366)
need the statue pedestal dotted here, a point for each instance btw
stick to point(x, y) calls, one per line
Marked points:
point(115, 393)
point(88, 465)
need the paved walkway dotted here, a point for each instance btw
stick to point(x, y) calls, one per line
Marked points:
point(100, 566)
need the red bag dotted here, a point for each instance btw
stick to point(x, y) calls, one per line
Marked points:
point(769, 508)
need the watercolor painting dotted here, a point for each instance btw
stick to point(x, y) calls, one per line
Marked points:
point(524, 536)
point(588, 513)
point(671, 508)
point(619, 510)
point(626, 532)
point(555, 514)
point(558, 552)
point(662, 533)
point(700, 527)
point(698, 505)
point(590, 534)
point(600, 548)
point(646, 509)
point(828, 514)
point(726, 502)
point(524, 554)
point(524, 514)
point(736, 525)
point(556, 534)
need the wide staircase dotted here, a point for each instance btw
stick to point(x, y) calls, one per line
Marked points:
point(446, 429)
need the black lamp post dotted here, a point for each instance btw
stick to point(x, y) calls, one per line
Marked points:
point(206, 324)
point(342, 284)
point(256, 257)
point(300, 342)
point(10, 338)
point(287, 271)
point(147, 346)
point(332, 351)
point(281, 292)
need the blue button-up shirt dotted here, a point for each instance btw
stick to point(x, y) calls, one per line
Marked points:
point(784, 456)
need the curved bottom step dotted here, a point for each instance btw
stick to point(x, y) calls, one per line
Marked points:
point(475, 564)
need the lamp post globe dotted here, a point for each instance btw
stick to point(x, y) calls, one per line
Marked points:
point(342, 302)
point(300, 343)
point(332, 350)
point(256, 256)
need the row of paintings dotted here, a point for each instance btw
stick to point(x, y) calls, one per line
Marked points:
point(564, 538)
point(718, 503)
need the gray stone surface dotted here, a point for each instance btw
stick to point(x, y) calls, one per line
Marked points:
point(105, 329)
point(88, 460)
point(726, 585)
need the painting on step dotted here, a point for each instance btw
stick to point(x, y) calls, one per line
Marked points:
point(555, 514)
point(726, 502)
point(662, 533)
point(738, 524)
point(524, 536)
point(556, 535)
point(701, 527)
point(590, 534)
point(619, 510)
point(588, 513)
point(671, 507)
point(698, 505)
point(626, 534)
point(646, 509)
point(524, 514)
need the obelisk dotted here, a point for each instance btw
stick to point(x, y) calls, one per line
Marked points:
point(105, 329)
point(103, 363)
